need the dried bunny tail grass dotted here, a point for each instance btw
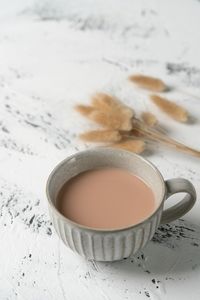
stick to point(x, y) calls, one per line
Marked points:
point(105, 102)
point(125, 110)
point(149, 83)
point(136, 146)
point(110, 136)
point(114, 120)
point(174, 110)
point(149, 119)
point(84, 110)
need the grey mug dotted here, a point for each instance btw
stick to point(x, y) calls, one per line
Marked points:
point(110, 245)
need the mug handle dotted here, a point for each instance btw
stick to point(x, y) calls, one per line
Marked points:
point(178, 185)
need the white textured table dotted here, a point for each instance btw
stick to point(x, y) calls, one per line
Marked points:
point(52, 55)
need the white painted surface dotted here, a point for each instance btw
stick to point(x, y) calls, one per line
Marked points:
point(54, 54)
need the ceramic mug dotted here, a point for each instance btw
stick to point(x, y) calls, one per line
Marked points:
point(107, 244)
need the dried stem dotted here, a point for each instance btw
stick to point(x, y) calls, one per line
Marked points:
point(152, 134)
point(84, 110)
point(110, 136)
point(133, 145)
point(120, 122)
point(172, 109)
point(149, 118)
point(148, 83)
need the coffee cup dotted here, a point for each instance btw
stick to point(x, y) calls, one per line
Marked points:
point(115, 244)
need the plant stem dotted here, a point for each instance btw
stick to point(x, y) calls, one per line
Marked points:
point(154, 135)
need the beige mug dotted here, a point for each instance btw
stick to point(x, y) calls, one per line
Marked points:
point(110, 245)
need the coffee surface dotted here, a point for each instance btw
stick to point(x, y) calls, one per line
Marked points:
point(107, 198)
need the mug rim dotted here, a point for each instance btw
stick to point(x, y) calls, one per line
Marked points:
point(103, 230)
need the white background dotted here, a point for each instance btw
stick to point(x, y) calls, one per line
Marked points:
point(54, 54)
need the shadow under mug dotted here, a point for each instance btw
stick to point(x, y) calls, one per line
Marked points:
point(115, 244)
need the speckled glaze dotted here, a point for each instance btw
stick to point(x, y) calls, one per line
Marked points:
point(111, 245)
